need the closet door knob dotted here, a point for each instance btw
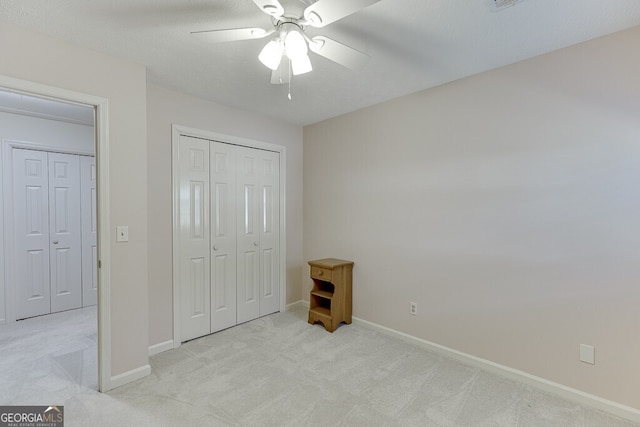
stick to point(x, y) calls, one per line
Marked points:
point(255, 244)
point(55, 242)
point(215, 248)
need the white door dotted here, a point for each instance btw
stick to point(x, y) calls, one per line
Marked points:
point(31, 233)
point(269, 233)
point(258, 284)
point(248, 190)
point(194, 257)
point(89, 226)
point(65, 232)
point(223, 236)
point(229, 230)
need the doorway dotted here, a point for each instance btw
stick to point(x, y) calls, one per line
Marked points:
point(99, 110)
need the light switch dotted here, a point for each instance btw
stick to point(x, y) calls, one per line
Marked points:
point(122, 233)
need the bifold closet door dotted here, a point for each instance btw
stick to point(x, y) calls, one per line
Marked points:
point(223, 236)
point(47, 231)
point(65, 232)
point(194, 255)
point(31, 233)
point(229, 219)
point(258, 234)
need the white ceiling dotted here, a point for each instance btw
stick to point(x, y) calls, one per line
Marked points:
point(414, 45)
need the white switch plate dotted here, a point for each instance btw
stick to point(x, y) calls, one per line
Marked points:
point(587, 354)
point(122, 233)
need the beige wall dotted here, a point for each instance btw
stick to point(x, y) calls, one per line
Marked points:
point(506, 205)
point(33, 57)
point(166, 107)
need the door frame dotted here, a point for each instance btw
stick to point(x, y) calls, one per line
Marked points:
point(101, 108)
point(176, 132)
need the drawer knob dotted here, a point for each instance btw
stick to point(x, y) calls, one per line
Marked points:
point(320, 273)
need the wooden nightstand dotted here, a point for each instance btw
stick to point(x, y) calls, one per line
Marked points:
point(330, 299)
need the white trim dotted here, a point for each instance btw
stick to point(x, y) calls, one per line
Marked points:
point(554, 388)
point(101, 106)
point(28, 145)
point(175, 201)
point(160, 347)
point(301, 302)
point(130, 376)
point(104, 247)
point(177, 131)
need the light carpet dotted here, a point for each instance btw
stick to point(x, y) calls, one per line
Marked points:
point(280, 371)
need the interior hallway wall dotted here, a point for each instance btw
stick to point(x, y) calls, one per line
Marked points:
point(166, 107)
point(505, 204)
point(30, 56)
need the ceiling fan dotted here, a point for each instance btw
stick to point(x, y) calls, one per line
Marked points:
point(289, 18)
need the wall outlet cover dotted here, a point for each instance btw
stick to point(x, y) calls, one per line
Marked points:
point(122, 233)
point(587, 354)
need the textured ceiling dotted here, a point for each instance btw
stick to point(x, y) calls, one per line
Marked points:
point(414, 45)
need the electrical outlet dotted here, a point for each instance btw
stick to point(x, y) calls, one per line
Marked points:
point(413, 308)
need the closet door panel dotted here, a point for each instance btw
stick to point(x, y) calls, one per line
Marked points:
point(269, 232)
point(248, 190)
point(194, 257)
point(65, 232)
point(31, 233)
point(223, 236)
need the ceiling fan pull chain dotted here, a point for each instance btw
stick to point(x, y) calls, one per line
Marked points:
point(289, 69)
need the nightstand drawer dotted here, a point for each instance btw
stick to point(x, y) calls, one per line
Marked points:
point(321, 273)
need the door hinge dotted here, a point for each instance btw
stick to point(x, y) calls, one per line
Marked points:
point(99, 264)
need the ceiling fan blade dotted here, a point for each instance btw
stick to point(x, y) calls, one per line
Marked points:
point(281, 76)
point(324, 12)
point(234, 34)
point(270, 7)
point(338, 52)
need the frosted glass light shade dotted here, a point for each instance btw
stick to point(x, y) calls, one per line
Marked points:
point(301, 65)
point(295, 45)
point(271, 54)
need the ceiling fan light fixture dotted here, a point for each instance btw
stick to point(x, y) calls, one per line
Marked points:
point(271, 54)
point(295, 45)
point(301, 65)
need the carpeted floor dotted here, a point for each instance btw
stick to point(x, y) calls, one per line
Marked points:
point(275, 371)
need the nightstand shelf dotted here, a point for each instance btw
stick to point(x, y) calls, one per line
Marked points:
point(330, 299)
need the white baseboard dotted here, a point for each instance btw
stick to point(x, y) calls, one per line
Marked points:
point(159, 348)
point(560, 390)
point(129, 376)
point(296, 304)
